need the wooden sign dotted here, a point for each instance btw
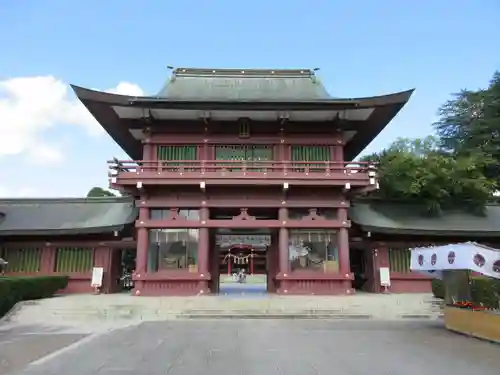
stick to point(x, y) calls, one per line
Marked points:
point(97, 274)
point(385, 277)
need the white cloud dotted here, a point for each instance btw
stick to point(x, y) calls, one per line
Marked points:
point(23, 192)
point(127, 88)
point(30, 106)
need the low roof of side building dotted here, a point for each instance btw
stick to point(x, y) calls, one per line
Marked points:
point(65, 216)
point(408, 219)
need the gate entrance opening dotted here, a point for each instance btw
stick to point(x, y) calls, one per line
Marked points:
point(244, 264)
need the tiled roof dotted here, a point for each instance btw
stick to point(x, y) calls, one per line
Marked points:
point(244, 85)
point(65, 216)
point(395, 218)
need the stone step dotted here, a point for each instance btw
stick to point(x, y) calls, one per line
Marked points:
point(123, 310)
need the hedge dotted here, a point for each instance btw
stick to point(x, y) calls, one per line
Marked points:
point(483, 290)
point(16, 289)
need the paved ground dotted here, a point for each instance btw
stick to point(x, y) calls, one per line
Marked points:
point(291, 347)
point(21, 345)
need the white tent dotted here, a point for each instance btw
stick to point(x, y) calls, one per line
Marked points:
point(433, 261)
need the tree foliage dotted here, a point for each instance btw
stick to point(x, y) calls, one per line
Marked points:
point(419, 170)
point(469, 123)
point(458, 168)
point(99, 192)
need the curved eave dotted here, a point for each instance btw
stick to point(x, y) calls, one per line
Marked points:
point(101, 105)
point(386, 108)
point(364, 102)
point(158, 102)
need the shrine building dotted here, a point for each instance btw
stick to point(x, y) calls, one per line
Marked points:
point(234, 169)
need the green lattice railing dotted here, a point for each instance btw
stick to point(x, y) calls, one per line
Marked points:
point(23, 259)
point(74, 259)
point(249, 153)
point(311, 153)
point(399, 260)
point(173, 153)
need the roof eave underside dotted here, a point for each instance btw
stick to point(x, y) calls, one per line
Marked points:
point(424, 232)
point(100, 106)
point(62, 232)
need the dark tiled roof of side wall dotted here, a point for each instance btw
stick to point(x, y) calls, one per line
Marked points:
point(399, 218)
point(65, 216)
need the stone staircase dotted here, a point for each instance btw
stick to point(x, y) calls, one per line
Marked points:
point(122, 309)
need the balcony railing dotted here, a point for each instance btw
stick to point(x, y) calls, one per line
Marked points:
point(242, 169)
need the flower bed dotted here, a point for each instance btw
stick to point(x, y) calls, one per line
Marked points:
point(469, 306)
point(484, 291)
point(473, 320)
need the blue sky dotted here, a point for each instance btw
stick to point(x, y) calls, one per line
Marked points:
point(49, 146)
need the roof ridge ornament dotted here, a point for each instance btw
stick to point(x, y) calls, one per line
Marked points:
point(253, 72)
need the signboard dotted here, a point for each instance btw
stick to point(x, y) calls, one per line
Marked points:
point(251, 240)
point(385, 277)
point(97, 274)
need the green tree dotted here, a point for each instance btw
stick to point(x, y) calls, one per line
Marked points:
point(469, 124)
point(99, 192)
point(418, 170)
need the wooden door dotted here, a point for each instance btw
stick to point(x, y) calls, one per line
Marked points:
point(214, 265)
point(370, 270)
point(272, 263)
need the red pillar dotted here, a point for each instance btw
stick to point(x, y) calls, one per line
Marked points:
point(343, 244)
point(251, 262)
point(229, 262)
point(141, 260)
point(48, 261)
point(338, 154)
point(203, 250)
point(284, 264)
point(203, 243)
point(147, 154)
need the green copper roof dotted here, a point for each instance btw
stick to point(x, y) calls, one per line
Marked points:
point(393, 218)
point(244, 85)
point(65, 216)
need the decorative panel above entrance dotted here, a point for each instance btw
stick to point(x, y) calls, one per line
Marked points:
point(257, 240)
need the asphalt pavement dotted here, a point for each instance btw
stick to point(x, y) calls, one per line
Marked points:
point(257, 347)
point(20, 346)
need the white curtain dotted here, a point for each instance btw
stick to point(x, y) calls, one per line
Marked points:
point(465, 256)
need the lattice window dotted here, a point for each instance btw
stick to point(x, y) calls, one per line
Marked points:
point(23, 259)
point(177, 153)
point(399, 260)
point(74, 259)
point(311, 153)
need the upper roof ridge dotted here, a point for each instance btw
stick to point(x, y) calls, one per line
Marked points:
point(207, 72)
